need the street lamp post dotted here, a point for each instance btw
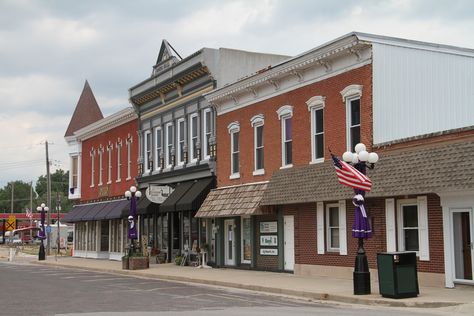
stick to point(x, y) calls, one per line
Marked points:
point(133, 195)
point(361, 228)
point(43, 209)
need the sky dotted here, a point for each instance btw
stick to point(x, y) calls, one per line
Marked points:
point(48, 48)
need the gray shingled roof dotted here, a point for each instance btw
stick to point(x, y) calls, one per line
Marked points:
point(232, 201)
point(433, 169)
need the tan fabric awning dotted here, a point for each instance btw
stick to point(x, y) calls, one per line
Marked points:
point(233, 201)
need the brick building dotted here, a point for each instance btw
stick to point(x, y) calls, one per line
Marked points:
point(404, 99)
point(103, 167)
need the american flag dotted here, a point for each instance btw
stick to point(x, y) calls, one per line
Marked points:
point(350, 176)
point(29, 213)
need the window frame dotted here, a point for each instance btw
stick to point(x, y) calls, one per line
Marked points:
point(147, 151)
point(234, 128)
point(180, 143)
point(109, 168)
point(205, 148)
point(193, 139)
point(118, 146)
point(349, 94)
point(92, 155)
point(158, 149)
point(258, 121)
point(101, 167)
point(401, 229)
point(284, 113)
point(129, 158)
point(316, 103)
point(329, 248)
point(74, 171)
point(168, 145)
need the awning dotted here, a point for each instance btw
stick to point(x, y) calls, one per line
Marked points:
point(145, 206)
point(233, 201)
point(192, 200)
point(169, 205)
point(76, 213)
point(112, 210)
point(98, 211)
point(92, 211)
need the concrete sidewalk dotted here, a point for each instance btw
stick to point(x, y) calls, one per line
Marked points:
point(460, 299)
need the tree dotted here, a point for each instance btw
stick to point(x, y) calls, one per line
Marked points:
point(21, 197)
point(59, 188)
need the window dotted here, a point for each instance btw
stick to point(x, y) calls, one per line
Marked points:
point(119, 160)
point(147, 151)
point(316, 107)
point(180, 140)
point(234, 130)
point(336, 235)
point(351, 97)
point(257, 122)
point(169, 145)
point(207, 133)
point(413, 226)
point(101, 167)
point(92, 154)
point(246, 251)
point(129, 158)
point(74, 171)
point(285, 114)
point(109, 169)
point(193, 137)
point(158, 148)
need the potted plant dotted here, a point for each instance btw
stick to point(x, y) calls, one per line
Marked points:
point(178, 260)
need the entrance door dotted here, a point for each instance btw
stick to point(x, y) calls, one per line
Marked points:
point(229, 247)
point(289, 242)
point(463, 253)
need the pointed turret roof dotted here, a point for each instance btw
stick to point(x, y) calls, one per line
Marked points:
point(87, 111)
point(166, 52)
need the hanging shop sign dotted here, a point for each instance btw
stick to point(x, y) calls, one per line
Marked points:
point(158, 193)
point(268, 227)
point(269, 240)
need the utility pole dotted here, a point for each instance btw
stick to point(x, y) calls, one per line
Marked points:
point(58, 209)
point(13, 189)
point(48, 174)
point(31, 207)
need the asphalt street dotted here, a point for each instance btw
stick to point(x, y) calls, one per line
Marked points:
point(37, 290)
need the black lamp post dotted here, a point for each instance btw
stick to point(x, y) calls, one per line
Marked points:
point(361, 160)
point(133, 195)
point(43, 209)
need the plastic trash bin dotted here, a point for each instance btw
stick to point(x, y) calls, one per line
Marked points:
point(397, 273)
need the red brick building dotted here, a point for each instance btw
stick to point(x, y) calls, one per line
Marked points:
point(279, 206)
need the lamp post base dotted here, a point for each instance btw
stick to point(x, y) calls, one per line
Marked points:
point(42, 254)
point(361, 273)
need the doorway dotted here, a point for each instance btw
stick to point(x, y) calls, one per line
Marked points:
point(289, 242)
point(229, 242)
point(462, 248)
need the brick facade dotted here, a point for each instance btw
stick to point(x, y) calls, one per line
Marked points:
point(103, 140)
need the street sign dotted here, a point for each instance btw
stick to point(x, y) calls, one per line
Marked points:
point(11, 223)
point(48, 229)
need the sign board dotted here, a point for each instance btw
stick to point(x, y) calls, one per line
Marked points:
point(11, 223)
point(158, 193)
point(48, 229)
point(269, 240)
point(269, 252)
point(268, 227)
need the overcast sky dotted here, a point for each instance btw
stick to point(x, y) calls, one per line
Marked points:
point(49, 48)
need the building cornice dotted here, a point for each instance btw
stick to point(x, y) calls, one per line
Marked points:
point(105, 124)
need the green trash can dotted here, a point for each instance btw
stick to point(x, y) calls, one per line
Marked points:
point(397, 273)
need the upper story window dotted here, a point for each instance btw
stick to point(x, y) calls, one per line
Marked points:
point(74, 171)
point(257, 123)
point(193, 137)
point(158, 148)
point(92, 155)
point(207, 129)
point(169, 145)
point(119, 160)
point(234, 131)
point(109, 165)
point(101, 166)
point(351, 97)
point(129, 157)
point(316, 108)
point(285, 115)
point(147, 151)
point(180, 142)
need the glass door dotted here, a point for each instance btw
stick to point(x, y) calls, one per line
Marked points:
point(462, 222)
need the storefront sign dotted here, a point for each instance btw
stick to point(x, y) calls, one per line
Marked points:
point(269, 240)
point(158, 193)
point(269, 252)
point(268, 227)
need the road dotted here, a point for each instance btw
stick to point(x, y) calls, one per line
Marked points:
point(29, 289)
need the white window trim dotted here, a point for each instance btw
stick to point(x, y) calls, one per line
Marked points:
point(178, 135)
point(315, 103)
point(284, 112)
point(129, 159)
point(320, 227)
point(232, 128)
point(328, 231)
point(118, 146)
point(205, 148)
point(350, 93)
point(157, 157)
point(146, 151)
point(423, 233)
point(101, 167)
point(109, 170)
point(92, 154)
point(191, 147)
point(390, 225)
point(242, 240)
point(168, 163)
point(257, 121)
point(341, 205)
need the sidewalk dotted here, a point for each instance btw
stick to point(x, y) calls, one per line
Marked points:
point(460, 299)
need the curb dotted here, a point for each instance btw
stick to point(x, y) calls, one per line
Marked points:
point(295, 293)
